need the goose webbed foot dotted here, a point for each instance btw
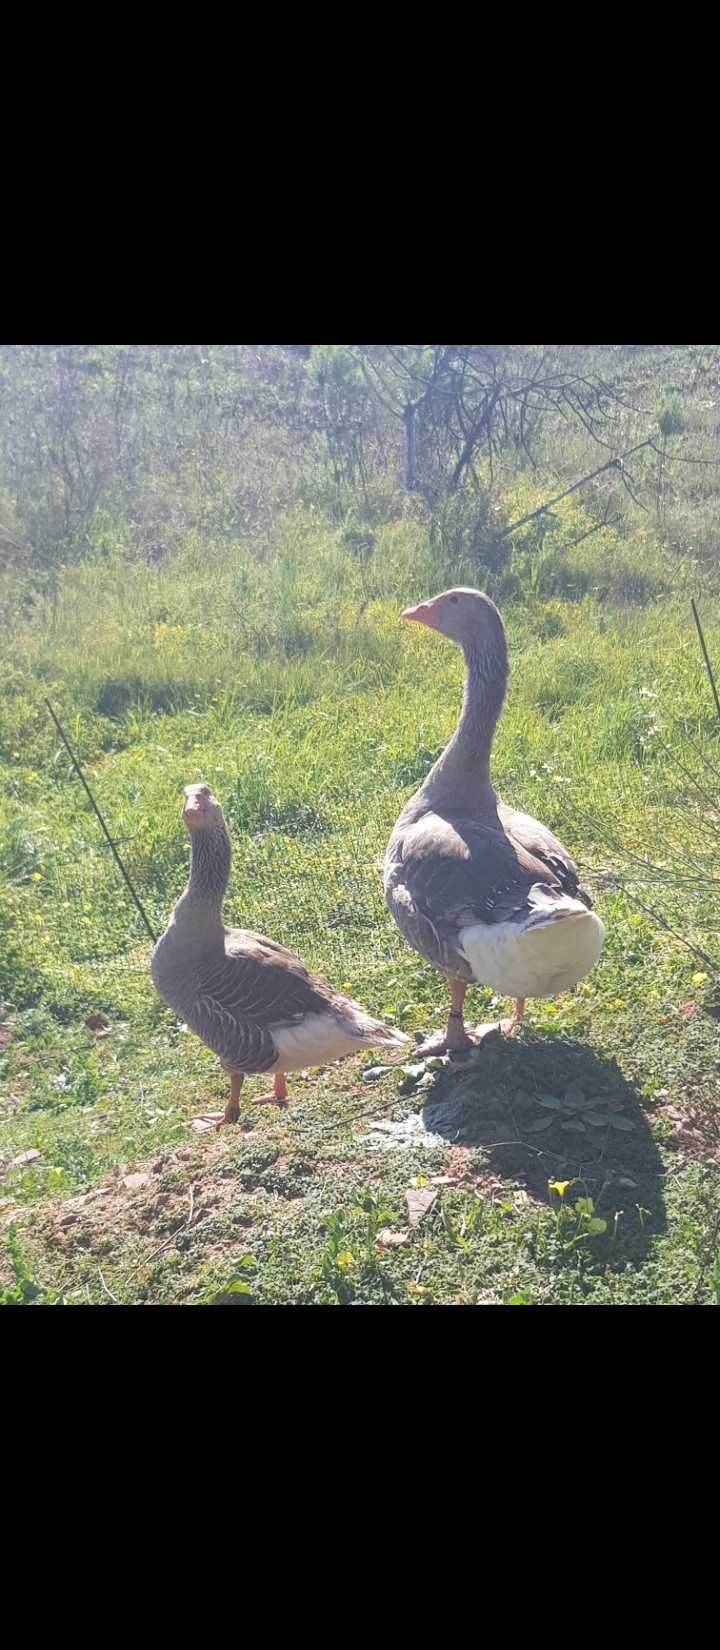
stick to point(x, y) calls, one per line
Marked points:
point(452, 1041)
point(457, 1037)
point(218, 1119)
point(277, 1095)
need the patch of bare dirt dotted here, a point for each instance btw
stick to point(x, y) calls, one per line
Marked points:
point(696, 1130)
point(338, 1167)
point(145, 1211)
point(172, 1191)
point(458, 1162)
point(483, 1181)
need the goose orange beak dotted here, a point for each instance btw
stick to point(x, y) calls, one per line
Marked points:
point(423, 614)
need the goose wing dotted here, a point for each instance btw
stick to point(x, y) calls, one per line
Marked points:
point(254, 987)
point(538, 841)
point(441, 875)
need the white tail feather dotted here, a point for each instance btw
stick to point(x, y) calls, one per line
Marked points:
point(322, 1037)
point(546, 954)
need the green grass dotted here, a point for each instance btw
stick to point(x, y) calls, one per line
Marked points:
point(291, 687)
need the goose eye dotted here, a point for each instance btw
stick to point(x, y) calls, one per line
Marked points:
point(454, 600)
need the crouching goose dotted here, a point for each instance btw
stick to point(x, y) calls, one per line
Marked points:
point(484, 893)
point(251, 1001)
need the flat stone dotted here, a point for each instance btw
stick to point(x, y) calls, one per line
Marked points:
point(134, 1182)
point(389, 1239)
point(418, 1204)
point(384, 1135)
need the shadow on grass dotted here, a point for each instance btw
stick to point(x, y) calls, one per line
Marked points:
point(553, 1108)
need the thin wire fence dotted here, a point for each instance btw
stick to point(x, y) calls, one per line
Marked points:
point(314, 881)
point(316, 889)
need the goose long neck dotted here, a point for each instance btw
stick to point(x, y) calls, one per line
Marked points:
point(463, 770)
point(199, 909)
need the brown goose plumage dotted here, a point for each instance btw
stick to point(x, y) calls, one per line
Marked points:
point(250, 1000)
point(483, 892)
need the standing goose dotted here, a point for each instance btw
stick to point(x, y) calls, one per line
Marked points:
point(486, 894)
point(251, 1001)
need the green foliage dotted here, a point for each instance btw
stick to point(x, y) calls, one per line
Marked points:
point(238, 1290)
point(23, 1290)
point(466, 541)
point(164, 437)
point(19, 983)
point(670, 416)
point(255, 642)
point(350, 1262)
point(118, 452)
point(575, 1222)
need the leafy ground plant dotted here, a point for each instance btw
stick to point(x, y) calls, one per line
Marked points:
point(312, 728)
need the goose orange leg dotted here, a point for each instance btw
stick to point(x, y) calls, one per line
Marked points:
point(511, 1025)
point(278, 1094)
point(229, 1115)
point(456, 1036)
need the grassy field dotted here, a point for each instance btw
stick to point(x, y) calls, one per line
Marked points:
point(578, 1163)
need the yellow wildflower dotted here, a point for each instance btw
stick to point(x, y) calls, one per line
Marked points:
point(559, 1186)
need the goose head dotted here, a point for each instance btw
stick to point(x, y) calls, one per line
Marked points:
point(467, 617)
point(200, 810)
